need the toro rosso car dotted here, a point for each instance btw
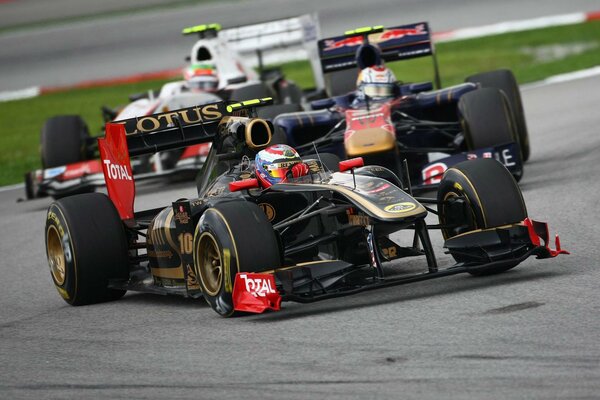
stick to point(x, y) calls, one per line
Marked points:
point(245, 246)
point(385, 122)
point(217, 70)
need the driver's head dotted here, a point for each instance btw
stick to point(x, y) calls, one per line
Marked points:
point(377, 82)
point(273, 164)
point(201, 77)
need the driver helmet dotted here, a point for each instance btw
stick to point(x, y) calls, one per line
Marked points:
point(201, 77)
point(378, 82)
point(273, 163)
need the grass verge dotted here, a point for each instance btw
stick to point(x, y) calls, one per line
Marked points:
point(531, 55)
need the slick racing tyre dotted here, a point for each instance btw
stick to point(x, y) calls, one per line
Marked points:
point(232, 237)
point(63, 141)
point(492, 196)
point(487, 120)
point(86, 246)
point(505, 81)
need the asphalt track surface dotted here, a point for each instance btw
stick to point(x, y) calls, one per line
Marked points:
point(150, 40)
point(529, 333)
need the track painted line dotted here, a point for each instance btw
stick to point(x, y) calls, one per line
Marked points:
point(26, 93)
point(515, 26)
point(561, 78)
point(144, 76)
point(12, 187)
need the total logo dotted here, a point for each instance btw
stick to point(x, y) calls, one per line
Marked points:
point(116, 171)
point(258, 287)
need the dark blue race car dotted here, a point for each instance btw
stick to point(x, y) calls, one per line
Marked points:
point(386, 122)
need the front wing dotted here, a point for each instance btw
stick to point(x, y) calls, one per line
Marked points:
point(486, 250)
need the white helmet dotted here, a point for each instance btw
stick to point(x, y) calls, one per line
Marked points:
point(376, 82)
point(201, 77)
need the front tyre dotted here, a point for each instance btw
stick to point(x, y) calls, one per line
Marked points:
point(493, 199)
point(86, 246)
point(232, 237)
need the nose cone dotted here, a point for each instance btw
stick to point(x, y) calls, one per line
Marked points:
point(369, 141)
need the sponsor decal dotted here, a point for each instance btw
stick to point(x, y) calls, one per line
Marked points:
point(53, 172)
point(192, 280)
point(458, 186)
point(186, 116)
point(358, 220)
point(403, 207)
point(117, 171)
point(506, 158)
point(380, 188)
point(54, 218)
point(432, 174)
point(182, 216)
point(345, 42)
point(80, 169)
point(391, 34)
point(258, 286)
point(160, 253)
point(268, 210)
point(256, 293)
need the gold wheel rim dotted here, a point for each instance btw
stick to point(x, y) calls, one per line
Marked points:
point(56, 256)
point(210, 263)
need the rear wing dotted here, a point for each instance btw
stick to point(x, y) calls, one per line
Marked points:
point(147, 135)
point(397, 43)
point(276, 42)
point(172, 129)
point(159, 132)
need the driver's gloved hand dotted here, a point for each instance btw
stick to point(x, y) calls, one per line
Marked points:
point(298, 170)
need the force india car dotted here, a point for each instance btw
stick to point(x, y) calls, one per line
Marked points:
point(69, 153)
point(245, 248)
point(432, 129)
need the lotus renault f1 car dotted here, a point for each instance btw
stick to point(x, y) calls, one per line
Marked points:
point(218, 70)
point(246, 247)
point(432, 129)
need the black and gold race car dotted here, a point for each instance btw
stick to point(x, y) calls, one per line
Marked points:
point(245, 248)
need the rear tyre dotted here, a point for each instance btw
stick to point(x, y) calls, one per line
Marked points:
point(492, 197)
point(487, 120)
point(505, 81)
point(63, 140)
point(86, 246)
point(232, 237)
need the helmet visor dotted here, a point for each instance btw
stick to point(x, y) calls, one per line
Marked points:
point(278, 170)
point(378, 90)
